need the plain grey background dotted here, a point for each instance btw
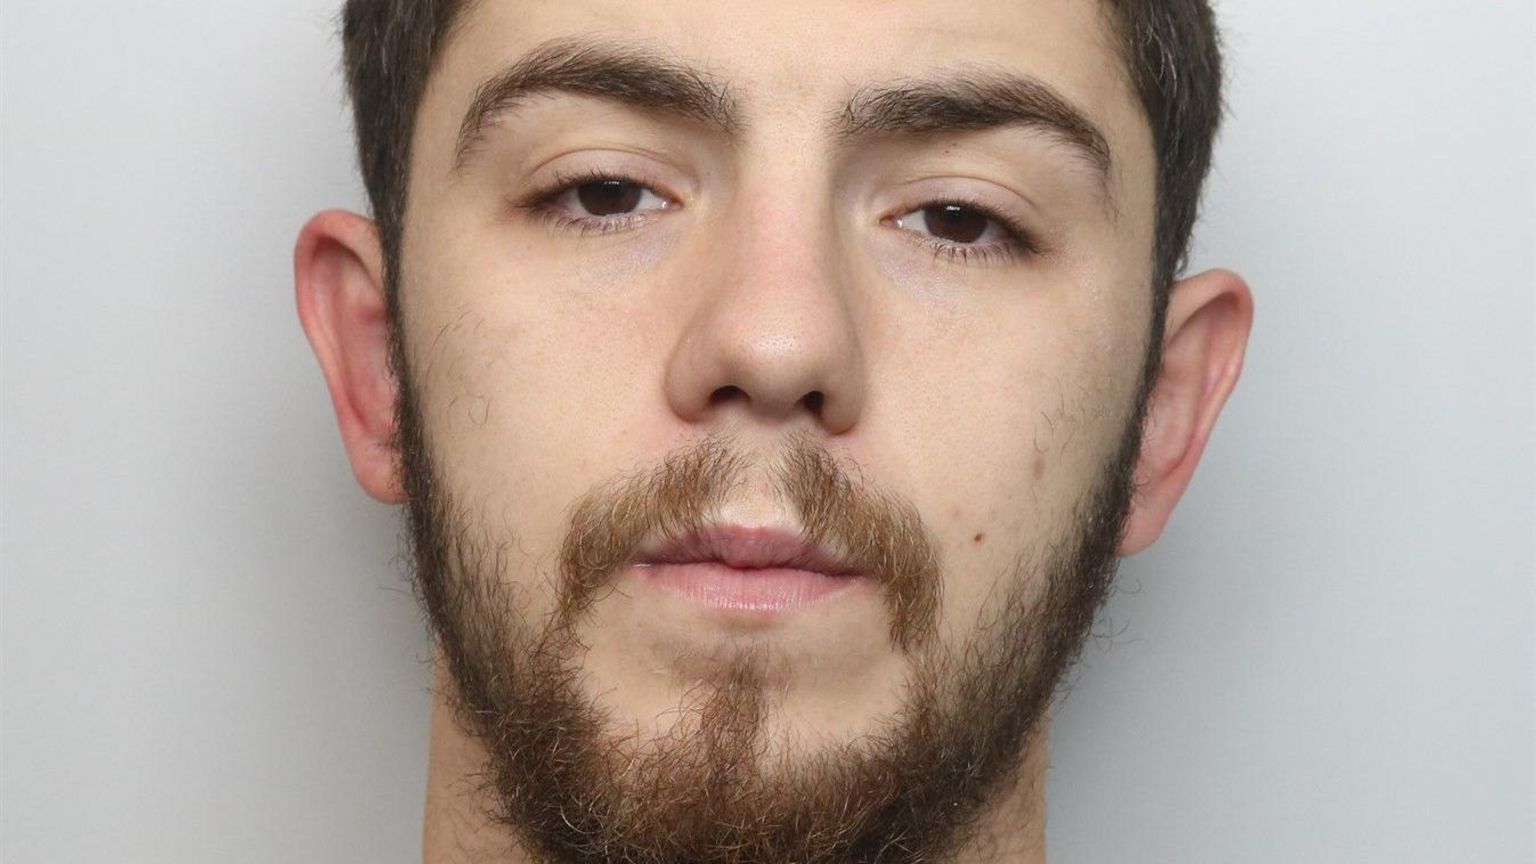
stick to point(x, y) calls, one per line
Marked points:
point(210, 652)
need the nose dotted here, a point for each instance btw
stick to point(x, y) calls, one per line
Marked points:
point(772, 331)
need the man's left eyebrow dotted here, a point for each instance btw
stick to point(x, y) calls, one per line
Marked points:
point(626, 74)
point(975, 101)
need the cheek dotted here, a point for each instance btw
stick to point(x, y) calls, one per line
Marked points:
point(1016, 430)
point(528, 395)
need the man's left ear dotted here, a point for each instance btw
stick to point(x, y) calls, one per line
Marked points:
point(1204, 338)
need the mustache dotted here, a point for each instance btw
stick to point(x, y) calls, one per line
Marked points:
point(878, 532)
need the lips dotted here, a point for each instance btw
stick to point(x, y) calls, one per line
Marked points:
point(747, 569)
point(744, 548)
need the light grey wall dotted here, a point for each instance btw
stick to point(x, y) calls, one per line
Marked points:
point(210, 653)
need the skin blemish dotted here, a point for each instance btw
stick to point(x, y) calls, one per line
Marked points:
point(1039, 466)
point(979, 538)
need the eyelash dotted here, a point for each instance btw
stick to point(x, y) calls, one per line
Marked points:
point(1018, 242)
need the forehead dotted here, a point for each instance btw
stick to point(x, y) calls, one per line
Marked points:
point(787, 60)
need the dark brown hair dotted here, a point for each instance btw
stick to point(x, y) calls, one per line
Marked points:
point(1170, 47)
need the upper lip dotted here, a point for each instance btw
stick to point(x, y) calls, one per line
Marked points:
point(746, 548)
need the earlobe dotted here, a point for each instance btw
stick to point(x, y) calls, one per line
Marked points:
point(1204, 340)
point(338, 283)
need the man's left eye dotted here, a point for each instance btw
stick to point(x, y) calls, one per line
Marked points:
point(959, 224)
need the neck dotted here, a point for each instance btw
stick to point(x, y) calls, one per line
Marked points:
point(457, 830)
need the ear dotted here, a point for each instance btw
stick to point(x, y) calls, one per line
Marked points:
point(1204, 338)
point(338, 270)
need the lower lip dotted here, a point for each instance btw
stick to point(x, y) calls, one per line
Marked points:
point(766, 590)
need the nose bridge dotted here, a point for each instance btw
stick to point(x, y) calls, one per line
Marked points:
point(774, 333)
point(784, 262)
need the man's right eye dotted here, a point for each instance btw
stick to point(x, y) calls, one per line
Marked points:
point(609, 197)
point(597, 203)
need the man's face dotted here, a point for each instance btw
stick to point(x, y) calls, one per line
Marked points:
point(868, 283)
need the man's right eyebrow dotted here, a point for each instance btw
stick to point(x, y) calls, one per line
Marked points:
point(628, 75)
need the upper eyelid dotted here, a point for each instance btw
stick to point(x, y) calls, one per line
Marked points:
point(928, 197)
point(998, 199)
point(655, 170)
point(988, 211)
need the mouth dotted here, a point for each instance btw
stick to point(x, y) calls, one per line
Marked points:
point(752, 570)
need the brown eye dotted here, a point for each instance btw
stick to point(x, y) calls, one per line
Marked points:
point(609, 197)
point(955, 223)
point(970, 233)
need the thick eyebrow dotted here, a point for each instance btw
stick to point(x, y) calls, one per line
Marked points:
point(626, 74)
point(974, 101)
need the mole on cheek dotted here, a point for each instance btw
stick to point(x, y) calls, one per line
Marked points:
point(979, 538)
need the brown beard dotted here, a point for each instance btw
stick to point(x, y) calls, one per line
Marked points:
point(574, 791)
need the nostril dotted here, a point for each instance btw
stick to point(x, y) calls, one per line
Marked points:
point(725, 394)
point(812, 401)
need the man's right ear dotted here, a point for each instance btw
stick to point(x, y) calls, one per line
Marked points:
point(338, 276)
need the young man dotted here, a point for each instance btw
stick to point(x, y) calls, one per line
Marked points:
point(772, 388)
